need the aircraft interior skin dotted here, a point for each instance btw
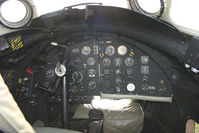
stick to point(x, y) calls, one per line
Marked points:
point(67, 58)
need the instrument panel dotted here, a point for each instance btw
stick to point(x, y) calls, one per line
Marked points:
point(101, 66)
point(115, 69)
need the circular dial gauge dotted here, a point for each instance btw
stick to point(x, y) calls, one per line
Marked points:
point(130, 87)
point(106, 62)
point(129, 61)
point(122, 50)
point(60, 70)
point(110, 50)
point(86, 50)
point(77, 76)
point(91, 73)
point(117, 62)
point(92, 84)
point(91, 61)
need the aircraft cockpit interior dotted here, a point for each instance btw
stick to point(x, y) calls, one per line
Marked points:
point(110, 67)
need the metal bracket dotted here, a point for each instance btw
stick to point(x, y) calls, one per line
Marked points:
point(81, 4)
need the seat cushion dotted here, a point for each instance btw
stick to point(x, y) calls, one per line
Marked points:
point(52, 130)
point(120, 116)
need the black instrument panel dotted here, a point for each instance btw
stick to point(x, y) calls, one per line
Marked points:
point(100, 66)
point(114, 69)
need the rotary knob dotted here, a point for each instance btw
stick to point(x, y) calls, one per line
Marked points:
point(130, 87)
